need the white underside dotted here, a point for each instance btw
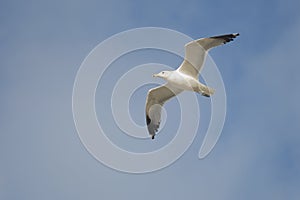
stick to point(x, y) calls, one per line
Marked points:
point(183, 81)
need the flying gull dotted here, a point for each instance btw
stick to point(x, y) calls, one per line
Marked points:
point(184, 78)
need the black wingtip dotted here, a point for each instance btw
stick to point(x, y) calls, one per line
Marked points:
point(227, 37)
point(152, 137)
point(148, 120)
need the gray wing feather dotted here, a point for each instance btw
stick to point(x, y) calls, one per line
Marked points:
point(155, 100)
point(195, 52)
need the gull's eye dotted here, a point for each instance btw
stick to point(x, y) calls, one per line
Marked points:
point(163, 72)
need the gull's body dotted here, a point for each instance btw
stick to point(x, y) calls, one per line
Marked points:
point(185, 78)
point(182, 81)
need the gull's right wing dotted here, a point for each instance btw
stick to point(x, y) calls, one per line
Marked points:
point(155, 100)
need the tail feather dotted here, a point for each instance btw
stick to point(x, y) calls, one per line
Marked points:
point(206, 91)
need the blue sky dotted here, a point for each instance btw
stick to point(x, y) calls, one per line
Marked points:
point(42, 47)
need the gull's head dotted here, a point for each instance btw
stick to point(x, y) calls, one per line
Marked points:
point(163, 74)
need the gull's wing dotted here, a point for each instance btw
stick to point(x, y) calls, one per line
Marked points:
point(195, 53)
point(155, 100)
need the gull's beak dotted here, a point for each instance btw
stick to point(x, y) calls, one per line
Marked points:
point(154, 75)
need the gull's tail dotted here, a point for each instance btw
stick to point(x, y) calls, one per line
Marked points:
point(205, 90)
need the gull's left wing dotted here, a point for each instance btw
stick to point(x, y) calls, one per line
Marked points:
point(195, 53)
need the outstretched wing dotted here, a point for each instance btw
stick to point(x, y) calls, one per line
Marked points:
point(195, 53)
point(155, 100)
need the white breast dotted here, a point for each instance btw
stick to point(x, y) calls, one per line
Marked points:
point(183, 81)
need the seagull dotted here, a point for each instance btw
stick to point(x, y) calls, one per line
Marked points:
point(185, 78)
